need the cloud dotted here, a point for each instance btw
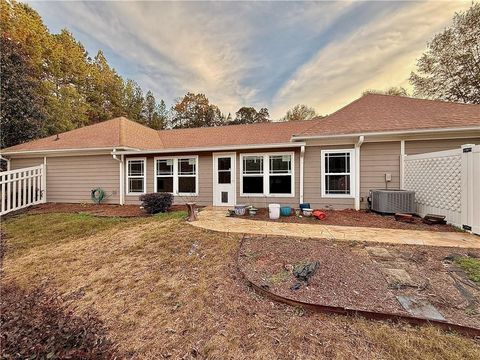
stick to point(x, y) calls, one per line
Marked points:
point(377, 55)
point(263, 54)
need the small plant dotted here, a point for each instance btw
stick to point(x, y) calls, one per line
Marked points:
point(156, 202)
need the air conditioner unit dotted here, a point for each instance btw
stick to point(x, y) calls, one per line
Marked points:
point(393, 201)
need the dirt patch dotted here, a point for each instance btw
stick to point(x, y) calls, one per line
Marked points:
point(94, 209)
point(355, 276)
point(350, 217)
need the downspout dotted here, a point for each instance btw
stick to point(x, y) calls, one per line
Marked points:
point(357, 171)
point(44, 180)
point(121, 175)
point(6, 160)
point(302, 160)
point(402, 164)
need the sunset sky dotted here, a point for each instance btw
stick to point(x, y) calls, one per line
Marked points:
point(261, 54)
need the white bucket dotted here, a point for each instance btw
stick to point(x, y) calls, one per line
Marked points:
point(274, 211)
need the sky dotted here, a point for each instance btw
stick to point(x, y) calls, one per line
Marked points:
point(261, 54)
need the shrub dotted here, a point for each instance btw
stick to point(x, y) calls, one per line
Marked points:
point(36, 324)
point(157, 202)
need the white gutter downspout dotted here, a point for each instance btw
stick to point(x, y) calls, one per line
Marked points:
point(357, 171)
point(122, 182)
point(402, 164)
point(302, 160)
point(7, 161)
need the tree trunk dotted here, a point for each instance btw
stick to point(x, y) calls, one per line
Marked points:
point(192, 213)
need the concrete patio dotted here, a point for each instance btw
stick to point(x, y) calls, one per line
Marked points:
point(215, 219)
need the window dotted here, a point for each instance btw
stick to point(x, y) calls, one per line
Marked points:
point(224, 170)
point(280, 174)
point(337, 170)
point(136, 176)
point(267, 175)
point(177, 175)
point(252, 175)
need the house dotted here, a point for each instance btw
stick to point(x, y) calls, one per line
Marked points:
point(332, 161)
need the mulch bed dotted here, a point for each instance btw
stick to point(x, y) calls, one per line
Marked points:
point(350, 217)
point(352, 275)
point(94, 209)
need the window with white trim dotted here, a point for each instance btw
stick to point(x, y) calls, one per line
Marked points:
point(338, 173)
point(267, 174)
point(176, 175)
point(136, 176)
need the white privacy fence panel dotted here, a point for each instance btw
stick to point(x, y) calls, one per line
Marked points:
point(440, 181)
point(21, 188)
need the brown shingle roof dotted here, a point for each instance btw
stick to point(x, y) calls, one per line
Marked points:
point(121, 132)
point(378, 113)
point(370, 113)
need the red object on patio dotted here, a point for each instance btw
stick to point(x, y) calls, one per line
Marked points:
point(320, 215)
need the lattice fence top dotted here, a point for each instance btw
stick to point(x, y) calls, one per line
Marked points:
point(436, 181)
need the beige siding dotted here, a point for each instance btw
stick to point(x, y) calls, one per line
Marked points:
point(313, 178)
point(263, 201)
point(70, 179)
point(24, 163)
point(425, 146)
point(376, 160)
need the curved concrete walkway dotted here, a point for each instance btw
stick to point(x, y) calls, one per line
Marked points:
point(216, 219)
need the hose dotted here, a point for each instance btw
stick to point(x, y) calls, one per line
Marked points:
point(97, 195)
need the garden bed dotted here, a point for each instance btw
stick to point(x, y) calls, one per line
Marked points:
point(350, 217)
point(361, 277)
point(94, 209)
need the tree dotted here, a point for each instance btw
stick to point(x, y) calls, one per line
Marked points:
point(21, 115)
point(300, 112)
point(195, 110)
point(248, 115)
point(133, 101)
point(153, 113)
point(450, 67)
point(397, 91)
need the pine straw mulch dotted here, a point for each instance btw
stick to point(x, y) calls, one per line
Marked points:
point(350, 217)
point(350, 275)
point(168, 290)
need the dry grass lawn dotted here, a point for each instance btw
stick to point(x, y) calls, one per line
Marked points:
point(166, 289)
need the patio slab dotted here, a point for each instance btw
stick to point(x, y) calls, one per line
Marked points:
point(216, 220)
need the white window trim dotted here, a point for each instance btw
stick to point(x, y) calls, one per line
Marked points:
point(175, 173)
point(266, 173)
point(144, 159)
point(351, 174)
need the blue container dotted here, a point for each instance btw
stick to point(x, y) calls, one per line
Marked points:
point(305, 206)
point(285, 211)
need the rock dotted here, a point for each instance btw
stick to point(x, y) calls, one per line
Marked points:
point(296, 286)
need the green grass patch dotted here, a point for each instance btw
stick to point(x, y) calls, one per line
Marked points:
point(27, 231)
point(471, 266)
point(171, 215)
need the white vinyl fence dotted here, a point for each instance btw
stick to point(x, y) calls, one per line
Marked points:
point(21, 188)
point(447, 183)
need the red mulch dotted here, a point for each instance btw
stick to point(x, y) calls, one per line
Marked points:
point(350, 217)
point(349, 275)
point(97, 210)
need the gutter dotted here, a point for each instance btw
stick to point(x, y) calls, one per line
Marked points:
point(215, 148)
point(383, 133)
point(359, 143)
point(55, 151)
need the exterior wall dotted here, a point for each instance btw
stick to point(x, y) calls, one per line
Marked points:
point(313, 177)
point(263, 201)
point(376, 160)
point(71, 178)
point(205, 184)
point(425, 146)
